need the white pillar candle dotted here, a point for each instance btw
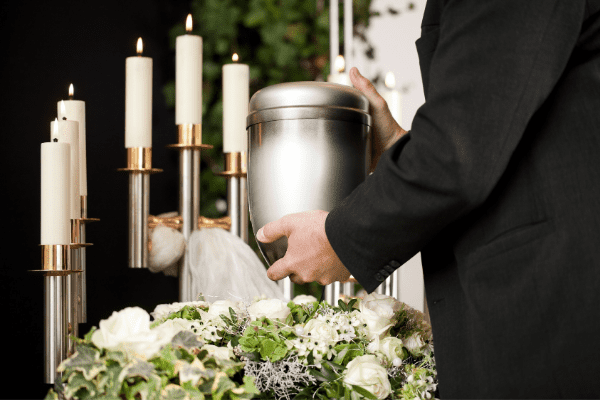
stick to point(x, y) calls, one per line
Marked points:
point(68, 132)
point(392, 97)
point(55, 225)
point(334, 32)
point(340, 76)
point(188, 77)
point(236, 96)
point(74, 110)
point(348, 33)
point(138, 100)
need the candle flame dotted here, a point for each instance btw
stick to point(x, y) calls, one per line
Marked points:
point(71, 90)
point(140, 46)
point(63, 110)
point(390, 80)
point(235, 57)
point(188, 23)
point(340, 63)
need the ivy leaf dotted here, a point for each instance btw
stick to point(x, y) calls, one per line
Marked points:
point(85, 360)
point(173, 392)
point(78, 382)
point(137, 368)
point(187, 340)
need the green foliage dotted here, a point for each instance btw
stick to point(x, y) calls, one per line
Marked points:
point(281, 41)
point(266, 340)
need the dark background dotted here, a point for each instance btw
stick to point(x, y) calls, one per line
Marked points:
point(45, 47)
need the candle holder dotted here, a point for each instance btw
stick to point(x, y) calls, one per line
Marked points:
point(56, 270)
point(139, 166)
point(189, 146)
point(236, 172)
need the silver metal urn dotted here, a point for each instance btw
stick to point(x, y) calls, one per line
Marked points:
point(307, 150)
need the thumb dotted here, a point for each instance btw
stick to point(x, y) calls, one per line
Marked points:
point(367, 88)
point(273, 231)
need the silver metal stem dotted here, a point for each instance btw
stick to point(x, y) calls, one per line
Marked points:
point(189, 209)
point(237, 206)
point(337, 290)
point(287, 286)
point(55, 326)
point(349, 289)
point(139, 210)
point(329, 294)
point(82, 276)
point(395, 278)
point(72, 306)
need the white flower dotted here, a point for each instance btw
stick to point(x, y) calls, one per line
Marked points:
point(163, 310)
point(366, 372)
point(271, 308)
point(223, 353)
point(177, 324)
point(304, 299)
point(129, 331)
point(414, 344)
point(378, 311)
point(390, 347)
point(320, 330)
point(221, 307)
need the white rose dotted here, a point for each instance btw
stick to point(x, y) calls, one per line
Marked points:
point(366, 372)
point(177, 325)
point(391, 348)
point(221, 307)
point(163, 310)
point(378, 311)
point(223, 353)
point(414, 344)
point(129, 331)
point(271, 308)
point(320, 330)
point(304, 299)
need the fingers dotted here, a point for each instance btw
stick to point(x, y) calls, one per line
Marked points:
point(273, 231)
point(278, 270)
point(367, 88)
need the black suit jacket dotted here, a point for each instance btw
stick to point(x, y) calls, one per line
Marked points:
point(498, 185)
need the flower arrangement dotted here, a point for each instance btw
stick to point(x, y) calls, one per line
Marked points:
point(373, 348)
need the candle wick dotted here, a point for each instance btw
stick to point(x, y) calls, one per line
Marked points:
point(70, 97)
point(64, 118)
point(55, 140)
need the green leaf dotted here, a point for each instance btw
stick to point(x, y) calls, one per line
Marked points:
point(137, 368)
point(173, 392)
point(86, 360)
point(77, 383)
point(187, 340)
point(364, 392)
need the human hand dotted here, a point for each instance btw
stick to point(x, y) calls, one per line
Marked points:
point(309, 256)
point(386, 130)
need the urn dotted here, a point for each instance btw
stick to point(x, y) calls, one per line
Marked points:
point(308, 147)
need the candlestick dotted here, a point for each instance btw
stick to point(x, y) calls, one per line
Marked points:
point(348, 33)
point(74, 110)
point(392, 97)
point(68, 132)
point(334, 32)
point(138, 100)
point(188, 77)
point(236, 96)
point(55, 193)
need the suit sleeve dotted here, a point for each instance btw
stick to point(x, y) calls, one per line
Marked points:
point(494, 65)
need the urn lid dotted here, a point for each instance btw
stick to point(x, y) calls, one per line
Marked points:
point(308, 100)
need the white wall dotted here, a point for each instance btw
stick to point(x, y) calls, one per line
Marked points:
point(393, 37)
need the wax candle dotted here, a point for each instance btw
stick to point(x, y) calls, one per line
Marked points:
point(74, 110)
point(188, 77)
point(236, 96)
point(55, 218)
point(340, 76)
point(138, 99)
point(67, 131)
point(393, 97)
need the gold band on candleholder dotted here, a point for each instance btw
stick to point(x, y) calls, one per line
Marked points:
point(139, 159)
point(176, 222)
point(56, 260)
point(235, 164)
point(190, 137)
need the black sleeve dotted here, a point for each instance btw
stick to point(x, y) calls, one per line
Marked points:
point(494, 65)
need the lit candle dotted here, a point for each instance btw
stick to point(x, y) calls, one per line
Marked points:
point(393, 97)
point(188, 77)
point(55, 193)
point(138, 99)
point(74, 110)
point(236, 95)
point(67, 131)
point(340, 77)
